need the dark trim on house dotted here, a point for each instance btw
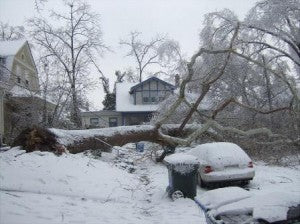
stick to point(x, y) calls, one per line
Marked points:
point(172, 87)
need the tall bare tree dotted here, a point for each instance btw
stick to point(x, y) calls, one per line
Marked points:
point(54, 88)
point(8, 32)
point(73, 39)
point(159, 53)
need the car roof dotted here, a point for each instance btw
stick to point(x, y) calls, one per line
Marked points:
point(220, 153)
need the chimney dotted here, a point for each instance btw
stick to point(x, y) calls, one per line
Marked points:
point(177, 81)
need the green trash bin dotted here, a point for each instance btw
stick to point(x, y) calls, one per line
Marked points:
point(182, 169)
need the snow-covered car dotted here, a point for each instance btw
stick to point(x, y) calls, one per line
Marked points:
point(235, 205)
point(222, 162)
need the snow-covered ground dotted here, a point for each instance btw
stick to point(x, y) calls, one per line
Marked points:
point(40, 187)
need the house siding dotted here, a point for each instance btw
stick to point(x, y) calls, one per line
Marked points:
point(24, 68)
point(103, 118)
point(136, 118)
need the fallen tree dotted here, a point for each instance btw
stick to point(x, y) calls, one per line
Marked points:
point(75, 141)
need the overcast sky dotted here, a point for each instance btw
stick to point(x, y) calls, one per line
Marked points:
point(181, 20)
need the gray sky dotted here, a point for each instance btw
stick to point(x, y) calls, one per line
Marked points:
point(181, 20)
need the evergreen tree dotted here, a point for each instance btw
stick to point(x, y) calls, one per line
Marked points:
point(109, 101)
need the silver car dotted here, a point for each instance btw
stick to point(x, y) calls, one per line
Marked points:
point(222, 162)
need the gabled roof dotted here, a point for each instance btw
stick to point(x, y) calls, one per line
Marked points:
point(124, 100)
point(150, 79)
point(11, 47)
point(21, 92)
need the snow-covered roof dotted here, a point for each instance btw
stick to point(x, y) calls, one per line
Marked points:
point(19, 91)
point(11, 47)
point(125, 102)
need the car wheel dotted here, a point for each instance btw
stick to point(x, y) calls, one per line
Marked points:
point(176, 195)
point(261, 221)
point(245, 182)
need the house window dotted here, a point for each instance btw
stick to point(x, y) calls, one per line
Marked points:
point(113, 122)
point(26, 78)
point(146, 95)
point(18, 70)
point(18, 79)
point(2, 65)
point(2, 61)
point(94, 121)
point(145, 99)
point(153, 95)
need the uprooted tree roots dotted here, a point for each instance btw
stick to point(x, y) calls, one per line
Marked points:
point(37, 138)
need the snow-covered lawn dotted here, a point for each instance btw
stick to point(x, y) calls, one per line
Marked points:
point(40, 187)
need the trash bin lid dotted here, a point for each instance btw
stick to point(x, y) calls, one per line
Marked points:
point(181, 159)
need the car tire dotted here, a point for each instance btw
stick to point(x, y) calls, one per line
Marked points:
point(245, 182)
point(177, 195)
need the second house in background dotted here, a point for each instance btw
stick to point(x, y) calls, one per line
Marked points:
point(135, 103)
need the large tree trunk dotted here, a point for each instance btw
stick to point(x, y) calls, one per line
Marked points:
point(76, 141)
point(105, 143)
